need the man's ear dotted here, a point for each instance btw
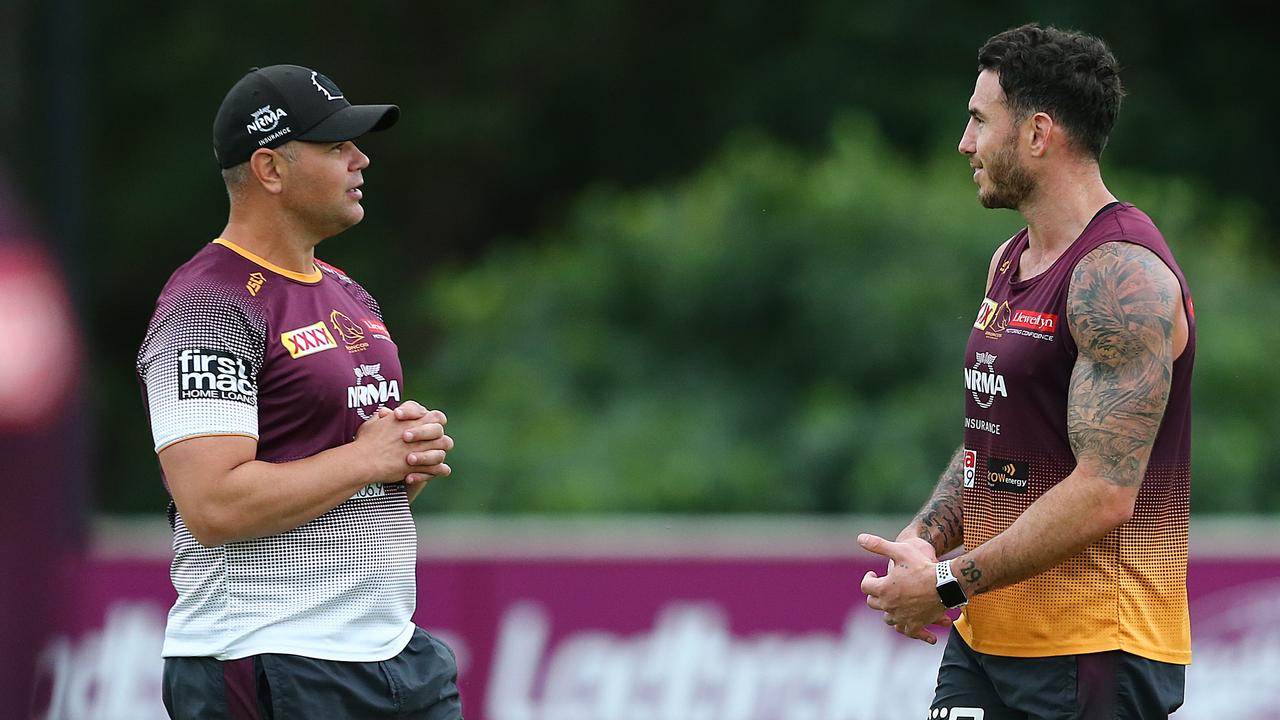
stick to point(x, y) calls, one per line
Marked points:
point(269, 168)
point(1042, 132)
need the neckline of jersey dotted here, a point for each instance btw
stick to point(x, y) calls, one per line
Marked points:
point(1023, 282)
point(310, 278)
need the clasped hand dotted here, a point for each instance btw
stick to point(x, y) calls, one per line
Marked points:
point(409, 443)
point(907, 593)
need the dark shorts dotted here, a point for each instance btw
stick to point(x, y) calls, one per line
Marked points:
point(420, 682)
point(1113, 685)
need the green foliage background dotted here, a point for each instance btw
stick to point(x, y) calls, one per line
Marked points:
point(703, 257)
point(781, 332)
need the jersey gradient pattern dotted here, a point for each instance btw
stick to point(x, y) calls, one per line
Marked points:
point(238, 346)
point(1128, 590)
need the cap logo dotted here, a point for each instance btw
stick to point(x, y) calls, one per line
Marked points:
point(325, 86)
point(265, 119)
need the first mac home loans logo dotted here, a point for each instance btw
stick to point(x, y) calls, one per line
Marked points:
point(215, 375)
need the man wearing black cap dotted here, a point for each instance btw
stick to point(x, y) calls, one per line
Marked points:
point(276, 402)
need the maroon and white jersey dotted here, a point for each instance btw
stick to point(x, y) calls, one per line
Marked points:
point(238, 346)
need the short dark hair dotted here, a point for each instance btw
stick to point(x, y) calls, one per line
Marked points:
point(1072, 76)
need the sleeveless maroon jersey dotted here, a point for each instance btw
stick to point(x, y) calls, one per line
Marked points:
point(1128, 590)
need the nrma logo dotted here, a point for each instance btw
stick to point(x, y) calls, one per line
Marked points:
point(265, 119)
point(371, 391)
point(984, 384)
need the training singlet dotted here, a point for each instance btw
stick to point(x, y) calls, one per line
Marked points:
point(1127, 591)
point(238, 346)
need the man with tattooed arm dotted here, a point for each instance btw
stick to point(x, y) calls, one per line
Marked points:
point(1070, 492)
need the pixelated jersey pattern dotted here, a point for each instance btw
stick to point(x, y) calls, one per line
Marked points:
point(1126, 591)
point(320, 590)
point(198, 363)
point(223, 355)
point(356, 289)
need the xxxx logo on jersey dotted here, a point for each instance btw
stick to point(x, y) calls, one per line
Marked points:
point(307, 340)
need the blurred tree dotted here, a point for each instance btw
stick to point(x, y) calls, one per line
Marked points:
point(783, 333)
point(513, 109)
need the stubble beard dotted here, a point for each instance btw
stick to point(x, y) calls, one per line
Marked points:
point(1011, 184)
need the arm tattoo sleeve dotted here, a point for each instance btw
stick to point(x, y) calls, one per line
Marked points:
point(1121, 308)
point(941, 521)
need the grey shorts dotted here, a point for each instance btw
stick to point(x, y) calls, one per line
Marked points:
point(420, 682)
point(1111, 685)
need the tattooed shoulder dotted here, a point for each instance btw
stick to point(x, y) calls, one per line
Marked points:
point(1121, 307)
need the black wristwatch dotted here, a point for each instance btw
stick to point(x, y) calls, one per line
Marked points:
point(949, 590)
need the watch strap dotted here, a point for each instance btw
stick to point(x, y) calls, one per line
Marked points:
point(949, 591)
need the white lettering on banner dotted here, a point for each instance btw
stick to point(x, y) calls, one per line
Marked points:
point(111, 674)
point(1236, 645)
point(691, 667)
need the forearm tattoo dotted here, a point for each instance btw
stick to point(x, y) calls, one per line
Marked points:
point(970, 572)
point(941, 520)
point(1121, 308)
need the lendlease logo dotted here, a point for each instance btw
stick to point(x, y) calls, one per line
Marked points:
point(307, 340)
point(215, 375)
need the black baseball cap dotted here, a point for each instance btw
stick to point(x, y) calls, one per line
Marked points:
point(270, 106)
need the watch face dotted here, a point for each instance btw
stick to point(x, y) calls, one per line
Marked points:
point(951, 594)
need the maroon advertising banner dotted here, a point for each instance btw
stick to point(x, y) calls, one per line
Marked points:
point(591, 637)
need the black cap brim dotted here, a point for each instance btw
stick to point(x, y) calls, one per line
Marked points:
point(351, 122)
